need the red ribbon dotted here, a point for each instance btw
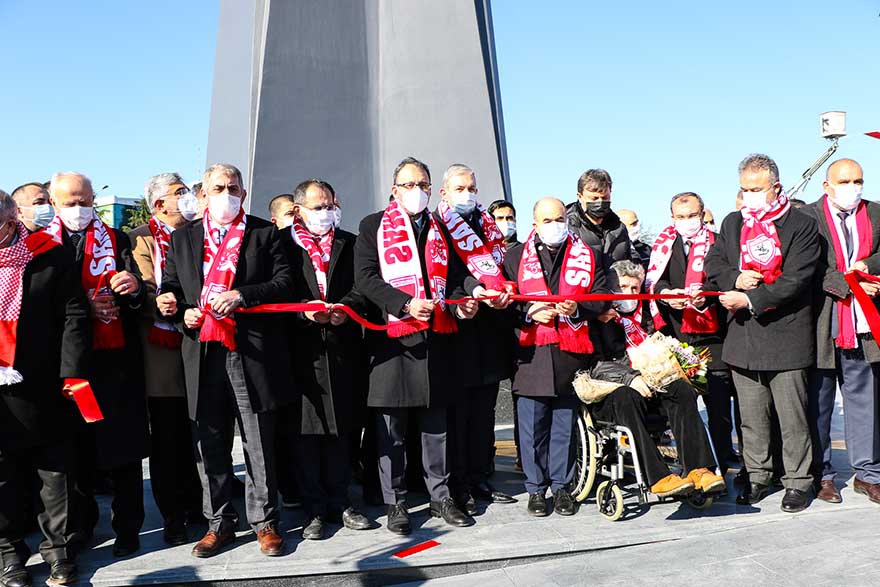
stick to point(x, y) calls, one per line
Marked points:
point(869, 309)
point(103, 281)
point(81, 392)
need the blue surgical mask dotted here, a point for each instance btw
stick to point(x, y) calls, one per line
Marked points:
point(464, 202)
point(43, 214)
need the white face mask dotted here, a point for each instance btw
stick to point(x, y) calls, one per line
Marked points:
point(337, 216)
point(689, 227)
point(634, 231)
point(464, 202)
point(224, 208)
point(626, 306)
point(553, 233)
point(188, 206)
point(414, 200)
point(76, 218)
point(284, 222)
point(318, 222)
point(42, 214)
point(508, 229)
point(754, 200)
point(847, 196)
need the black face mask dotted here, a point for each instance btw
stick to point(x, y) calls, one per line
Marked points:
point(598, 210)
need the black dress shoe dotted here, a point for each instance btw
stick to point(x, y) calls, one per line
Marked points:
point(752, 494)
point(126, 545)
point(398, 519)
point(15, 575)
point(313, 529)
point(450, 513)
point(62, 572)
point(486, 492)
point(563, 503)
point(794, 500)
point(467, 504)
point(537, 505)
point(354, 520)
point(174, 533)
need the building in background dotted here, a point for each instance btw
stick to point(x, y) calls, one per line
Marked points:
point(116, 210)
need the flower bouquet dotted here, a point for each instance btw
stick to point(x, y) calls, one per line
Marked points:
point(662, 359)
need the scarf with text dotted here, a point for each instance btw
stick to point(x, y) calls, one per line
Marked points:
point(162, 333)
point(482, 254)
point(318, 248)
point(220, 263)
point(632, 327)
point(760, 248)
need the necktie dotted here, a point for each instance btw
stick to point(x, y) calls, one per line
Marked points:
point(75, 237)
point(847, 235)
point(687, 248)
point(221, 234)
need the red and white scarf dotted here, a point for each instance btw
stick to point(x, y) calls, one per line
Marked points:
point(482, 254)
point(632, 327)
point(400, 265)
point(693, 321)
point(847, 337)
point(162, 333)
point(760, 248)
point(318, 248)
point(219, 266)
point(99, 265)
point(13, 261)
point(578, 269)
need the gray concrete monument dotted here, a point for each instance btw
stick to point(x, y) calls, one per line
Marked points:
point(344, 89)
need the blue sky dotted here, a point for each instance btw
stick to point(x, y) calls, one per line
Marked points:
point(666, 96)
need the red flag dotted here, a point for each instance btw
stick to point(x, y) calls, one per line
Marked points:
point(875, 134)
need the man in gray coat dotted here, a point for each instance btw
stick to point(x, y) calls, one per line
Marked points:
point(846, 352)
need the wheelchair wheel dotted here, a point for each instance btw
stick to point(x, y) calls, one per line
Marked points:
point(609, 499)
point(586, 463)
point(700, 501)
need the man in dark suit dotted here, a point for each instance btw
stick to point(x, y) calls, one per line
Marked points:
point(235, 367)
point(412, 365)
point(677, 267)
point(42, 294)
point(846, 352)
point(764, 259)
point(117, 444)
point(327, 346)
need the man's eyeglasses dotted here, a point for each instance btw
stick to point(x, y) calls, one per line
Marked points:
point(180, 192)
point(423, 185)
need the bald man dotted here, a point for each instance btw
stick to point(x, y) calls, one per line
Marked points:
point(641, 252)
point(849, 229)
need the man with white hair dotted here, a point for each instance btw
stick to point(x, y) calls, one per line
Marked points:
point(42, 294)
point(235, 366)
point(119, 442)
point(173, 474)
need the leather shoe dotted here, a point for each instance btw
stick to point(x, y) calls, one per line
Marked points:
point(563, 503)
point(467, 504)
point(752, 494)
point(212, 544)
point(486, 492)
point(271, 542)
point(537, 505)
point(62, 572)
point(872, 490)
point(398, 519)
point(126, 545)
point(313, 529)
point(15, 575)
point(828, 492)
point(354, 520)
point(174, 533)
point(450, 513)
point(794, 500)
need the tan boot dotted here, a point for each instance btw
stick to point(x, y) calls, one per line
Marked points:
point(672, 485)
point(706, 481)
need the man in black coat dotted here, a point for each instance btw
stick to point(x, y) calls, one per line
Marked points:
point(412, 367)
point(235, 368)
point(326, 347)
point(117, 444)
point(36, 422)
point(765, 258)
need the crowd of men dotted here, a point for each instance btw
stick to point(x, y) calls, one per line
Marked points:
point(160, 323)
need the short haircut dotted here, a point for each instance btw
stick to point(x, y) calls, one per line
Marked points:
point(501, 204)
point(410, 161)
point(8, 208)
point(62, 174)
point(196, 188)
point(225, 169)
point(760, 162)
point(594, 180)
point(156, 186)
point(796, 203)
point(299, 192)
point(276, 202)
point(684, 195)
point(18, 191)
point(455, 170)
point(626, 268)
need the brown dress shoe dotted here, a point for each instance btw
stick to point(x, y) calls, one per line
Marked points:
point(828, 492)
point(271, 542)
point(212, 544)
point(872, 490)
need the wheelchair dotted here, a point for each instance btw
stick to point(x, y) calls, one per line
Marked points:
point(607, 449)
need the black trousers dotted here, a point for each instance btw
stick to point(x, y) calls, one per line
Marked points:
point(717, 398)
point(391, 428)
point(127, 507)
point(626, 407)
point(174, 477)
point(323, 472)
point(472, 437)
point(53, 465)
point(285, 457)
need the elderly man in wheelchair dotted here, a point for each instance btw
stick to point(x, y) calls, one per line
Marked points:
point(631, 404)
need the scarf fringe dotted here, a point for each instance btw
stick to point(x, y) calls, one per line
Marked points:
point(222, 331)
point(164, 338)
point(9, 376)
point(406, 327)
point(444, 323)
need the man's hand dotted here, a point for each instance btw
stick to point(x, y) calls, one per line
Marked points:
point(749, 279)
point(124, 283)
point(488, 297)
point(860, 266)
point(167, 304)
point(421, 309)
point(226, 303)
point(104, 307)
point(608, 315)
point(337, 316)
point(698, 301)
point(640, 386)
point(734, 300)
point(542, 312)
point(870, 288)
point(319, 316)
point(192, 318)
point(468, 309)
point(567, 308)
point(678, 304)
